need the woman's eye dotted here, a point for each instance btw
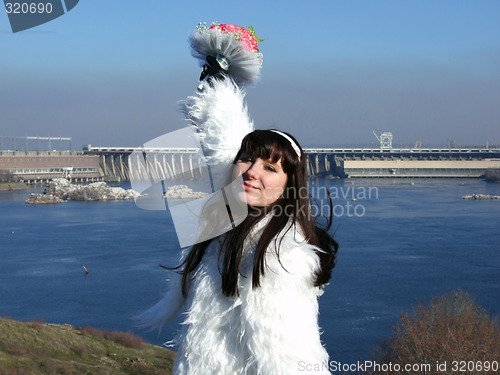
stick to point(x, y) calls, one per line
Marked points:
point(270, 168)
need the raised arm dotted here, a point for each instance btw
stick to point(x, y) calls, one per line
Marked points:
point(219, 115)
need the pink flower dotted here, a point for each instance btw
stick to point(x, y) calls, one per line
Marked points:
point(241, 34)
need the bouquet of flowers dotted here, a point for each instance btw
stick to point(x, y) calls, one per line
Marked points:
point(227, 50)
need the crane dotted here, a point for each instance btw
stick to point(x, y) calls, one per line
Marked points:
point(385, 140)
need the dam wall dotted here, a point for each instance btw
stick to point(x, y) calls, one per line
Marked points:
point(36, 167)
point(380, 163)
point(418, 168)
point(122, 164)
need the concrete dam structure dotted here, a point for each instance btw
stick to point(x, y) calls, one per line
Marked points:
point(124, 163)
point(37, 160)
point(36, 167)
point(155, 164)
point(409, 162)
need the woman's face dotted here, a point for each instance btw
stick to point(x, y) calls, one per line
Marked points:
point(263, 181)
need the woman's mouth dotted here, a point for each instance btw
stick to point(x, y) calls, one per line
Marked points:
point(249, 187)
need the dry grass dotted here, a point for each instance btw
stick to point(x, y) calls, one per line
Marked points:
point(450, 328)
point(40, 348)
point(127, 339)
point(37, 324)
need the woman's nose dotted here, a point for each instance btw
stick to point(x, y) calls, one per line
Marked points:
point(251, 171)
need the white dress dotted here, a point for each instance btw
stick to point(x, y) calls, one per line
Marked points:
point(268, 330)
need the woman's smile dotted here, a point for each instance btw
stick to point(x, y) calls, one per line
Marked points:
point(248, 187)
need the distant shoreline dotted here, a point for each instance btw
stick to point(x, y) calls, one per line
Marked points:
point(10, 186)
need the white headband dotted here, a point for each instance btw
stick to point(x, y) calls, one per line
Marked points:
point(294, 145)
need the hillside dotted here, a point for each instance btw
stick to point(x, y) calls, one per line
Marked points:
point(41, 348)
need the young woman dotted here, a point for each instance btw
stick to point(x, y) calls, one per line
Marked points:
point(250, 295)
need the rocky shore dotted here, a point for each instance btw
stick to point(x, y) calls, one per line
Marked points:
point(182, 192)
point(480, 196)
point(61, 190)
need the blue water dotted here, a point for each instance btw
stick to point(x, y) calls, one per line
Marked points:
point(402, 242)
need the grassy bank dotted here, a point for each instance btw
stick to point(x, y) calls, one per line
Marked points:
point(40, 348)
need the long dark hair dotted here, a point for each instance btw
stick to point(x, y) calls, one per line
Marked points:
point(294, 207)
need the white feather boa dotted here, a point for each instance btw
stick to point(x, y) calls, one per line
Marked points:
point(269, 330)
point(220, 119)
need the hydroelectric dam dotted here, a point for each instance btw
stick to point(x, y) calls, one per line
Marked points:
point(124, 163)
point(34, 166)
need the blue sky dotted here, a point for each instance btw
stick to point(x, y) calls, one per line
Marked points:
point(110, 73)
